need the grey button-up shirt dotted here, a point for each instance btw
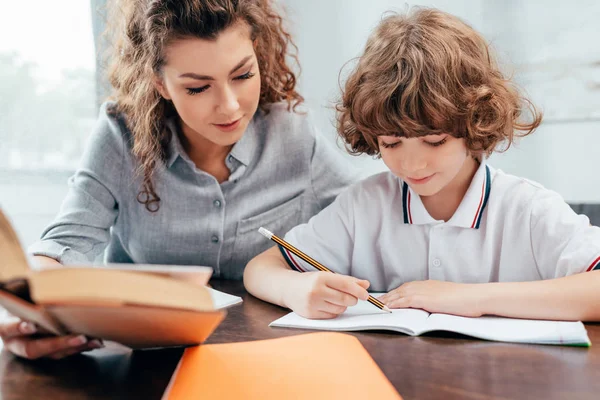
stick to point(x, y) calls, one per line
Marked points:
point(282, 173)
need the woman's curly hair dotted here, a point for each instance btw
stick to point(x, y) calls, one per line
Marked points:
point(140, 30)
point(427, 73)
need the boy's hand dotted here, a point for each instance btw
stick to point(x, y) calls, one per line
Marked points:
point(18, 338)
point(323, 295)
point(437, 297)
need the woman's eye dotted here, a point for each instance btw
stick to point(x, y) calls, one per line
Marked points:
point(247, 75)
point(193, 91)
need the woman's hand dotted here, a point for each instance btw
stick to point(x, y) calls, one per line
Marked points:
point(437, 297)
point(19, 338)
point(322, 295)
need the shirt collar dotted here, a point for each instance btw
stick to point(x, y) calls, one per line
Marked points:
point(175, 146)
point(469, 212)
point(245, 148)
point(243, 151)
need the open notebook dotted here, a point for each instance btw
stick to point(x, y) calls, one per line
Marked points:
point(414, 322)
point(223, 300)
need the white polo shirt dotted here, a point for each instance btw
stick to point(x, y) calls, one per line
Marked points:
point(506, 229)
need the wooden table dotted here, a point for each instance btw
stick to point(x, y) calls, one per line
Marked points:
point(430, 367)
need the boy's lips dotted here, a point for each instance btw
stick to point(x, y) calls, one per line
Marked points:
point(420, 181)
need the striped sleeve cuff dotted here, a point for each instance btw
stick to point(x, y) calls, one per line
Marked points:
point(595, 265)
point(289, 258)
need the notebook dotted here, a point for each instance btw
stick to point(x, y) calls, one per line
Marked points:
point(415, 322)
point(223, 300)
point(324, 365)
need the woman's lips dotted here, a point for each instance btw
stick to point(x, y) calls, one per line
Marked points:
point(228, 127)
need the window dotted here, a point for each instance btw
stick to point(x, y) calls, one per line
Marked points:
point(47, 107)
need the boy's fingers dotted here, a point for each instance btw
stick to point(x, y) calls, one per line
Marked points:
point(36, 348)
point(364, 283)
point(339, 298)
point(323, 315)
point(401, 302)
point(348, 285)
point(332, 308)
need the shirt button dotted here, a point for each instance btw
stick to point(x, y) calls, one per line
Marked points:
point(217, 203)
point(437, 262)
point(230, 158)
point(214, 239)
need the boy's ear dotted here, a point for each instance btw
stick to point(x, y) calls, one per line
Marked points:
point(160, 87)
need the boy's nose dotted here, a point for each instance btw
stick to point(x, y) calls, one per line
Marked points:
point(412, 164)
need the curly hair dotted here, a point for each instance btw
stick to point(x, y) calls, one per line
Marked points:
point(428, 73)
point(141, 30)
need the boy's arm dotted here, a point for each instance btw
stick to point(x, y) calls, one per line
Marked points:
point(575, 297)
point(571, 298)
point(267, 275)
point(316, 295)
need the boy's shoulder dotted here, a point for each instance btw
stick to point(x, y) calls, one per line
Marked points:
point(377, 187)
point(508, 191)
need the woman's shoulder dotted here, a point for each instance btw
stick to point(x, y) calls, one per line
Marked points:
point(297, 124)
point(110, 133)
point(112, 121)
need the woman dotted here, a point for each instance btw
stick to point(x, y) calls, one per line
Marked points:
point(201, 146)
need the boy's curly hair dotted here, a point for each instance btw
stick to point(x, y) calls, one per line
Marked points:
point(140, 30)
point(430, 73)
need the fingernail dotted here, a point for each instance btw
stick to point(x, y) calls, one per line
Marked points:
point(95, 344)
point(27, 328)
point(77, 340)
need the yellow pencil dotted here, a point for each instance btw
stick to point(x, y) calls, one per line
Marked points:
point(269, 235)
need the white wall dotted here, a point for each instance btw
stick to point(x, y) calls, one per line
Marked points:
point(329, 33)
point(549, 46)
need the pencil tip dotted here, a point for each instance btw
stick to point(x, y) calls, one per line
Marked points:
point(385, 308)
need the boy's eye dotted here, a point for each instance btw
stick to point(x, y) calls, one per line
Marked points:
point(438, 143)
point(193, 91)
point(247, 75)
point(390, 145)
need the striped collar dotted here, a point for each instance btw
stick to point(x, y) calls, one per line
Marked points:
point(469, 212)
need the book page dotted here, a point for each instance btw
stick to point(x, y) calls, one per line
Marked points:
point(197, 275)
point(14, 260)
point(363, 316)
point(98, 286)
point(511, 329)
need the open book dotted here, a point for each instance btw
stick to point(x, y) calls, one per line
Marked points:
point(136, 305)
point(414, 322)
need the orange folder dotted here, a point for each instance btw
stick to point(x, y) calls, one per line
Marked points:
point(323, 365)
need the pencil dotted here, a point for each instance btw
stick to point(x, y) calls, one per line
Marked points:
point(269, 235)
